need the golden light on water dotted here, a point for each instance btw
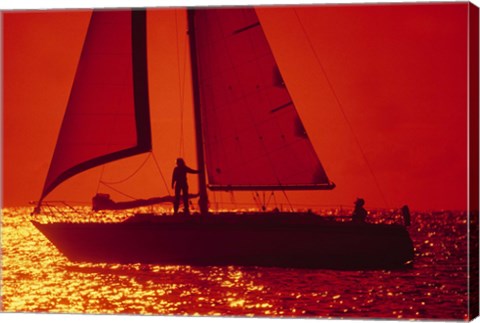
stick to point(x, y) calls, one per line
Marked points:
point(37, 278)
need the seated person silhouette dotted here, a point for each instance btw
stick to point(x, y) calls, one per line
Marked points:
point(359, 214)
point(179, 182)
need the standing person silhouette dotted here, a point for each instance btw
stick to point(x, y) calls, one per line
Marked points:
point(359, 213)
point(179, 182)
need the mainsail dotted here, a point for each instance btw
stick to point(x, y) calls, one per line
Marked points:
point(107, 116)
point(253, 136)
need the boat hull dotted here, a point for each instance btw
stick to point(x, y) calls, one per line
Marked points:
point(264, 240)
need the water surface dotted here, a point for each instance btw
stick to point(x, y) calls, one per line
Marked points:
point(37, 278)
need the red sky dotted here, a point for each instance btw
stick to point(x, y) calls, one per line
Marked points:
point(399, 73)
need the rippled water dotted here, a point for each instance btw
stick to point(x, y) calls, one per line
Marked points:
point(37, 278)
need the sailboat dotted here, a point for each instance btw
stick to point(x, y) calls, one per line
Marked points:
point(248, 137)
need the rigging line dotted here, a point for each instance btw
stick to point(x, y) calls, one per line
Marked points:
point(357, 141)
point(288, 201)
point(274, 199)
point(100, 177)
point(270, 198)
point(181, 85)
point(233, 201)
point(257, 204)
point(119, 192)
point(161, 173)
point(129, 176)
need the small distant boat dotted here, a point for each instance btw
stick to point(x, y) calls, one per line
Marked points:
point(248, 137)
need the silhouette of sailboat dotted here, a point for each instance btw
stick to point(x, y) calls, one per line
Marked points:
point(248, 137)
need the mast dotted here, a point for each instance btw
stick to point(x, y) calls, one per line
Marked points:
point(202, 183)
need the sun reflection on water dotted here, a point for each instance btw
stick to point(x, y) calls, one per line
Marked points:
point(37, 278)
